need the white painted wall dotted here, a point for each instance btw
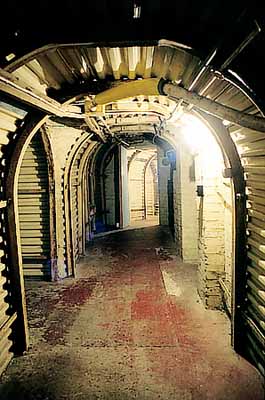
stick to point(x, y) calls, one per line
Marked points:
point(204, 225)
point(124, 187)
point(62, 139)
point(186, 222)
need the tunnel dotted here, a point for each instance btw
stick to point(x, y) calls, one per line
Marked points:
point(132, 202)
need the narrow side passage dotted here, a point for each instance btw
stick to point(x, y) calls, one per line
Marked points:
point(121, 331)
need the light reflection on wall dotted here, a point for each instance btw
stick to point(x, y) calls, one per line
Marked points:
point(202, 143)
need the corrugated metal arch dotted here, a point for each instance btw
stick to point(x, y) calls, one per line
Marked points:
point(83, 173)
point(31, 126)
point(13, 321)
point(84, 140)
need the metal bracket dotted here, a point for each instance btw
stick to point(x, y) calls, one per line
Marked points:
point(227, 173)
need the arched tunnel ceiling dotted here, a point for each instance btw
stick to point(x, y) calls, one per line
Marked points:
point(68, 70)
point(202, 25)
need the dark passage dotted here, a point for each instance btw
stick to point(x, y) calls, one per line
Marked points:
point(130, 327)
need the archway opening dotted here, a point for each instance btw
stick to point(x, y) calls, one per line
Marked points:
point(143, 185)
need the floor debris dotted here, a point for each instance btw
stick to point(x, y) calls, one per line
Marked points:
point(128, 328)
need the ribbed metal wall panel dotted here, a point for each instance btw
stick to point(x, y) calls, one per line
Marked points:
point(74, 209)
point(34, 214)
point(251, 146)
point(9, 118)
point(109, 190)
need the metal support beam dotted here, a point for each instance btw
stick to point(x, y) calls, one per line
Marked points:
point(213, 108)
point(133, 128)
point(40, 102)
point(133, 120)
point(153, 86)
point(95, 128)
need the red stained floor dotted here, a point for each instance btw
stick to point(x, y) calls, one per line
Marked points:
point(115, 332)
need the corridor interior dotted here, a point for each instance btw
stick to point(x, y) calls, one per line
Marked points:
point(131, 326)
point(132, 217)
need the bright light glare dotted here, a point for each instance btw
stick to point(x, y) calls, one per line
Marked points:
point(202, 142)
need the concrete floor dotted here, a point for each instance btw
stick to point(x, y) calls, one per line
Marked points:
point(130, 327)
